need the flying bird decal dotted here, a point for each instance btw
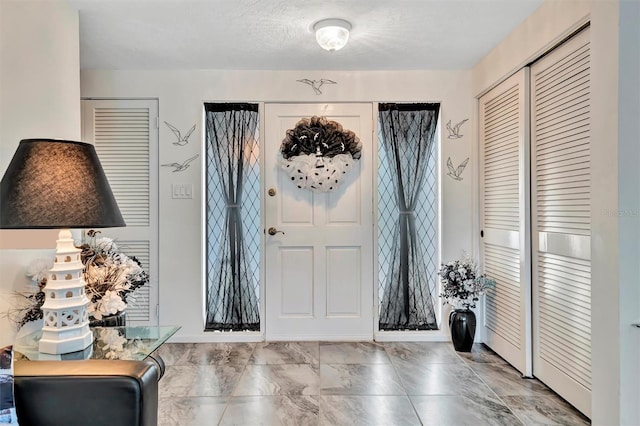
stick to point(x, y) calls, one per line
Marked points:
point(455, 173)
point(181, 167)
point(454, 132)
point(181, 140)
point(316, 84)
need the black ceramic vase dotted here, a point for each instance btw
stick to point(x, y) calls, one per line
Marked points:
point(462, 323)
point(115, 320)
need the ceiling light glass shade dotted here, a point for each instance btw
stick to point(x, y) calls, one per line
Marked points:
point(332, 34)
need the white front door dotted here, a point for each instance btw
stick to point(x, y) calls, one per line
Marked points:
point(319, 268)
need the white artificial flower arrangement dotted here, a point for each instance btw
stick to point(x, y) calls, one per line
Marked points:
point(462, 285)
point(111, 344)
point(109, 274)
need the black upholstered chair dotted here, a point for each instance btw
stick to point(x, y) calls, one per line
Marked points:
point(91, 392)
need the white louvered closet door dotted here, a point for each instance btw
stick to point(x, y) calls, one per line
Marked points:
point(504, 218)
point(125, 135)
point(561, 208)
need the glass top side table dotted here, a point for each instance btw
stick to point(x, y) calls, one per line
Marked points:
point(125, 343)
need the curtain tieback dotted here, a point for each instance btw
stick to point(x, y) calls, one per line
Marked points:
point(233, 206)
point(407, 212)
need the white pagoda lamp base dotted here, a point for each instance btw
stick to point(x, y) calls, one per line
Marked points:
point(65, 319)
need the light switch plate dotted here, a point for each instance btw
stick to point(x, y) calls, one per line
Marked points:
point(181, 191)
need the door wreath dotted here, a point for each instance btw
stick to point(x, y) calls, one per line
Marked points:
point(317, 153)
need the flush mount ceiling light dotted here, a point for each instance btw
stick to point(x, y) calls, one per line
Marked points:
point(332, 34)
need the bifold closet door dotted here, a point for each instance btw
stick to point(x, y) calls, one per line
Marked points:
point(504, 217)
point(561, 209)
point(125, 134)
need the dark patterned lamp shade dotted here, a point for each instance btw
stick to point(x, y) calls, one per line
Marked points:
point(56, 184)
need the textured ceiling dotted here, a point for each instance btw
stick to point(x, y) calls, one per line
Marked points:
point(277, 34)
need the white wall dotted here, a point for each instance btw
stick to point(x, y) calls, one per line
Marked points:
point(39, 97)
point(614, 275)
point(614, 357)
point(551, 22)
point(181, 95)
point(629, 209)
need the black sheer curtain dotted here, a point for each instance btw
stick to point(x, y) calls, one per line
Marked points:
point(232, 302)
point(408, 135)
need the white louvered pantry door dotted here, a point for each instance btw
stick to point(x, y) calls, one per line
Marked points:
point(125, 135)
point(504, 218)
point(561, 208)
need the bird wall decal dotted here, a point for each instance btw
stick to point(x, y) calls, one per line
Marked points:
point(181, 140)
point(456, 173)
point(181, 167)
point(454, 132)
point(316, 84)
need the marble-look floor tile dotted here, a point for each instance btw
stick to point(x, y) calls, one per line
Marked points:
point(199, 380)
point(285, 353)
point(331, 383)
point(481, 354)
point(221, 353)
point(291, 379)
point(193, 411)
point(206, 353)
point(440, 379)
point(367, 411)
point(545, 410)
point(422, 353)
point(505, 380)
point(272, 410)
point(352, 353)
point(175, 353)
point(462, 410)
point(359, 379)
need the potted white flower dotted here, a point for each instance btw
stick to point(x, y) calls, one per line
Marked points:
point(462, 287)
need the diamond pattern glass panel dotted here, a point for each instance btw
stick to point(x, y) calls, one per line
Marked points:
point(233, 247)
point(423, 259)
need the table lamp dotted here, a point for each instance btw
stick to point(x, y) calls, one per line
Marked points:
point(59, 184)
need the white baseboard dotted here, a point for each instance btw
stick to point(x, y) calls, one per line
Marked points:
point(412, 336)
point(380, 336)
point(219, 337)
point(320, 337)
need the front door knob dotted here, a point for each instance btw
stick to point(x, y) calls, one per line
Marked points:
point(274, 231)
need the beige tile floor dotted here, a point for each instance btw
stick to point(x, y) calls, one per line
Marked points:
point(347, 383)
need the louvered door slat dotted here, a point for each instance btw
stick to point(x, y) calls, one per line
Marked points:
point(503, 303)
point(556, 316)
point(569, 86)
point(503, 165)
point(125, 131)
point(500, 129)
point(138, 303)
point(561, 208)
point(569, 336)
point(551, 144)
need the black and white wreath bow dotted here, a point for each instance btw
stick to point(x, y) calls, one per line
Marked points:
point(317, 153)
